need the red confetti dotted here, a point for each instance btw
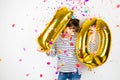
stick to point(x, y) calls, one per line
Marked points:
point(80, 50)
point(13, 25)
point(41, 75)
point(65, 51)
point(118, 5)
point(77, 65)
point(70, 38)
point(71, 44)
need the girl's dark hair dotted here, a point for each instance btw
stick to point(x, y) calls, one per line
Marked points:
point(74, 22)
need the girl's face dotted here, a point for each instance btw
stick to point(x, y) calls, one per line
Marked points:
point(69, 31)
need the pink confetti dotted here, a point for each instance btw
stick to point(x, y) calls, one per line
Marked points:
point(90, 18)
point(44, 0)
point(41, 75)
point(50, 42)
point(65, 51)
point(36, 30)
point(13, 25)
point(20, 60)
point(118, 6)
point(48, 63)
point(27, 74)
point(83, 14)
point(24, 49)
point(111, 1)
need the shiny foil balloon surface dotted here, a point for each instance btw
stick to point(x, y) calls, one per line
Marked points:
point(54, 28)
point(83, 54)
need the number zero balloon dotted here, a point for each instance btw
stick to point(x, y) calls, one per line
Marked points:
point(83, 54)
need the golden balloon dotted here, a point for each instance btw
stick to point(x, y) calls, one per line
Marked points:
point(83, 54)
point(54, 28)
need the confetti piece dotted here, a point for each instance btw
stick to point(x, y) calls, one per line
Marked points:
point(0, 59)
point(63, 35)
point(22, 29)
point(65, 51)
point(118, 6)
point(27, 74)
point(62, 64)
point(56, 72)
point(83, 14)
point(80, 50)
point(73, 16)
point(59, 51)
point(58, 68)
point(70, 38)
point(36, 30)
point(13, 25)
point(48, 63)
point(77, 65)
point(20, 60)
point(86, 0)
point(24, 49)
point(50, 42)
point(117, 25)
point(58, 58)
point(111, 1)
point(110, 60)
point(71, 44)
point(41, 75)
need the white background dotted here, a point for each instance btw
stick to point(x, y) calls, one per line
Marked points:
point(22, 21)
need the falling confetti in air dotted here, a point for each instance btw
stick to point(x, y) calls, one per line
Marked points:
point(71, 44)
point(48, 63)
point(0, 59)
point(20, 60)
point(50, 42)
point(78, 65)
point(24, 49)
point(27, 74)
point(41, 75)
point(36, 30)
point(118, 6)
point(13, 25)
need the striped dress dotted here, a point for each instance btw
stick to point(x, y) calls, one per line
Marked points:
point(64, 48)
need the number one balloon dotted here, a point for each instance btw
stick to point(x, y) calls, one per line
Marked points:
point(54, 28)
